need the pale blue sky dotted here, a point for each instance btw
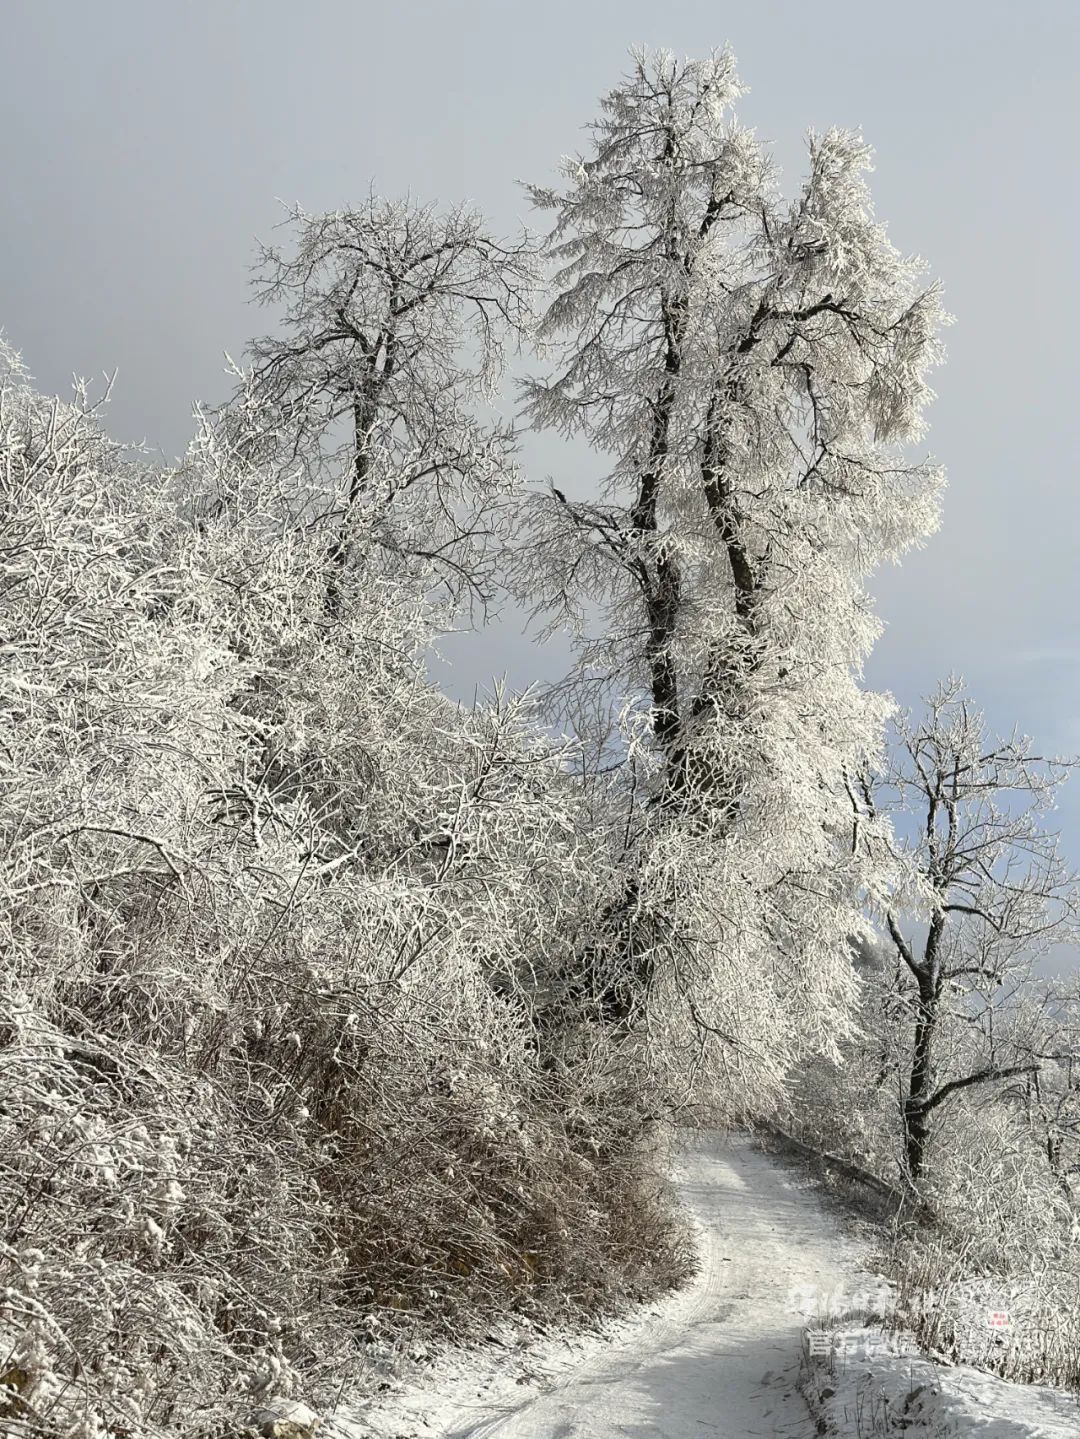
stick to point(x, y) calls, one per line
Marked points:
point(145, 142)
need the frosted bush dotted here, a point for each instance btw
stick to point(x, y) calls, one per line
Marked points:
point(276, 917)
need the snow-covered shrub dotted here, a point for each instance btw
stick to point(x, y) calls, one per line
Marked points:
point(277, 921)
point(1005, 1241)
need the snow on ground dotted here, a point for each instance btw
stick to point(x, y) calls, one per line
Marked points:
point(877, 1383)
point(717, 1360)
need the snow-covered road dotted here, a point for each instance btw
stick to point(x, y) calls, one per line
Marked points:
point(719, 1359)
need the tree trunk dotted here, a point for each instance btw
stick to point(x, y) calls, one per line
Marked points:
point(920, 1081)
point(341, 548)
point(691, 769)
point(659, 573)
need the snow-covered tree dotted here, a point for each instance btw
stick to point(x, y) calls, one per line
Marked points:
point(754, 370)
point(986, 877)
point(395, 320)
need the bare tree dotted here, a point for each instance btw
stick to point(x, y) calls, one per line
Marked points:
point(395, 321)
point(987, 881)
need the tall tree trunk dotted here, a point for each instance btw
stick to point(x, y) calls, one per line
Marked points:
point(364, 414)
point(617, 973)
point(920, 1080)
point(658, 574)
point(690, 768)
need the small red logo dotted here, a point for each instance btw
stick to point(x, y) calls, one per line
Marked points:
point(998, 1319)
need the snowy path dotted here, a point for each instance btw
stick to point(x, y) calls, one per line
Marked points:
point(719, 1360)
